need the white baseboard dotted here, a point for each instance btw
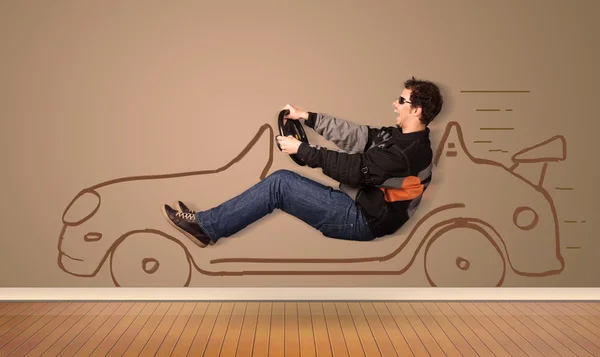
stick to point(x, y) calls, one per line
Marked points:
point(298, 294)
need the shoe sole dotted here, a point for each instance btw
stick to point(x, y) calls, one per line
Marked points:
point(212, 242)
point(190, 237)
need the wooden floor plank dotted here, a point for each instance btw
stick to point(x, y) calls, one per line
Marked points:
point(571, 323)
point(305, 331)
point(353, 343)
point(560, 336)
point(399, 341)
point(164, 327)
point(529, 321)
point(27, 326)
point(48, 334)
point(29, 314)
point(8, 307)
point(234, 329)
point(434, 328)
point(184, 342)
point(385, 345)
point(595, 305)
point(501, 336)
point(217, 336)
point(263, 330)
point(539, 343)
point(336, 336)
point(117, 341)
point(508, 330)
point(474, 341)
point(363, 329)
point(71, 340)
point(461, 344)
point(578, 316)
point(248, 331)
point(405, 329)
point(15, 310)
point(205, 329)
point(587, 311)
point(432, 346)
point(323, 345)
point(475, 324)
point(292, 333)
point(134, 346)
point(110, 331)
point(37, 327)
point(560, 325)
point(277, 336)
point(122, 340)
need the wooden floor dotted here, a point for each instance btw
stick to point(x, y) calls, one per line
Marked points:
point(300, 329)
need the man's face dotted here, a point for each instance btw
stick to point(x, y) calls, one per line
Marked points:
point(403, 110)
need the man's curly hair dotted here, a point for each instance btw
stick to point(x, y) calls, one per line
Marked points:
point(425, 94)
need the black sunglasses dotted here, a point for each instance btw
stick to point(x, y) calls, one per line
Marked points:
point(401, 100)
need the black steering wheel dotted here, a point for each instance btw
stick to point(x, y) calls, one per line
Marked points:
point(293, 128)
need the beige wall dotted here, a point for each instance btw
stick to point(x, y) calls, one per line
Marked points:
point(95, 92)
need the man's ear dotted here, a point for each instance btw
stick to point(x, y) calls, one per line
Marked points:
point(417, 111)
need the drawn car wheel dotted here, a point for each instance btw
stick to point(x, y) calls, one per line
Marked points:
point(463, 254)
point(147, 259)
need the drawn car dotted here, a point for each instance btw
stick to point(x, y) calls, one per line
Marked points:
point(478, 220)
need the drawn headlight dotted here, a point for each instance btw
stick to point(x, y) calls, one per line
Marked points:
point(81, 208)
point(525, 218)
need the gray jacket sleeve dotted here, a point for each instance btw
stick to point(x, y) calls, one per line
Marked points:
point(350, 137)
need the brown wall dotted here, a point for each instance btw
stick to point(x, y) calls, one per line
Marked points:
point(95, 92)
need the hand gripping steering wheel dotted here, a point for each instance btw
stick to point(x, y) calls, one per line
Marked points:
point(293, 128)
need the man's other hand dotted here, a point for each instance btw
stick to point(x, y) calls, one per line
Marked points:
point(288, 144)
point(295, 113)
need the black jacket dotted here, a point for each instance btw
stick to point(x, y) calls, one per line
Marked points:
point(384, 170)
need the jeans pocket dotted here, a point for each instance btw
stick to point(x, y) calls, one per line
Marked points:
point(381, 214)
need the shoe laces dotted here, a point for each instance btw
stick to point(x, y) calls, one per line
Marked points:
point(190, 217)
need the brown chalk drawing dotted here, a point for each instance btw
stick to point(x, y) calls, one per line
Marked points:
point(526, 226)
point(415, 238)
point(494, 91)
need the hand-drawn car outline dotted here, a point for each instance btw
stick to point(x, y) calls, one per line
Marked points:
point(430, 227)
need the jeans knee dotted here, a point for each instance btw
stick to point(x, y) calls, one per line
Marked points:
point(282, 174)
point(281, 184)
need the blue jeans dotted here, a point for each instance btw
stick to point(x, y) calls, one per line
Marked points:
point(330, 211)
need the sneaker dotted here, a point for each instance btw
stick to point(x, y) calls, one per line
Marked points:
point(186, 223)
point(185, 209)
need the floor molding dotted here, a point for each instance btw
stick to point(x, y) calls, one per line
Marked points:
point(298, 294)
